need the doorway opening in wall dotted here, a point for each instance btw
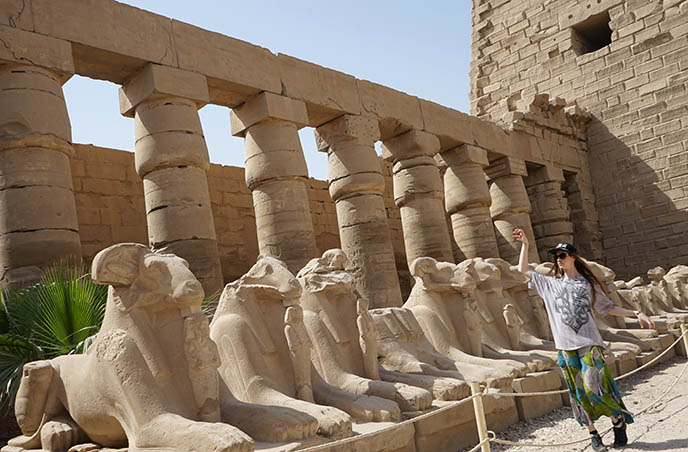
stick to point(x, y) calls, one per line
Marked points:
point(592, 34)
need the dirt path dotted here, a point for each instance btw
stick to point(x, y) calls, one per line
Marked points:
point(662, 428)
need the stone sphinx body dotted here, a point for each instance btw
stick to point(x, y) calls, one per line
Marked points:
point(149, 381)
point(345, 340)
point(490, 301)
point(451, 322)
point(264, 353)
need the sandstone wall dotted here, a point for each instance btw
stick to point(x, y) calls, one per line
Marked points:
point(111, 209)
point(636, 90)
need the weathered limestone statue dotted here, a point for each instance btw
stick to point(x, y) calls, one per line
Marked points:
point(263, 357)
point(633, 297)
point(513, 326)
point(330, 305)
point(535, 332)
point(150, 379)
point(491, 301)
point(660, 293)
point(677, 280)
point(438, 301)
point(403, 348)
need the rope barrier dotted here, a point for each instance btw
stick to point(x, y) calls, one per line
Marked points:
point(491, 436)
point(395, 426)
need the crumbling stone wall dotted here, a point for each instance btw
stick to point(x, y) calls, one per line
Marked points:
point(111, 209)
point(635, 88)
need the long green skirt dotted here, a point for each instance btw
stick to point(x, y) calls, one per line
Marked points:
point(591, 386)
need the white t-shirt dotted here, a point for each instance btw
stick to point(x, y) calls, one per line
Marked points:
point(568, 302)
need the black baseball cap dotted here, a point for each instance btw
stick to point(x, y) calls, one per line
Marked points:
point(563, 246)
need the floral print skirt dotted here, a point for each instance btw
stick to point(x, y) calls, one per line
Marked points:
point(591, 386)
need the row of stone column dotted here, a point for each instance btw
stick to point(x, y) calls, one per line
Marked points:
point(485, 200)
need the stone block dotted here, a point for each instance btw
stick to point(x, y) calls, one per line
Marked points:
point(268, 106)
point(156, 81)
point(625, 363)
point(176, 186)
point(170, 149)
point(414, 143)
point(38, 248)
point(111, 40)
point(397, 112)
point(174, 223)
point(362, 128)
point(31, 103)
point(326, 92)
point(544, 174)
point(532, 407)
point(449, 125)
point(506, 166)
point(465, 154)
point(37, 207)
point(17, 14)
point(24, 47)
point(236, 70)
point(34, 166)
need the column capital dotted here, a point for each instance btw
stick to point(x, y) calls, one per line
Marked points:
point(267, 106)
point(544, 174)
point(464, 155)
point(26, 48)
point(414, 143)
point(156, 81)
point(347, 127)
point(506, 166)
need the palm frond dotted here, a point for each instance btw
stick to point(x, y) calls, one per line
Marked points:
point(15, 351)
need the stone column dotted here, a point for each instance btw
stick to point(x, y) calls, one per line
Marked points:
point(468, 201)
point(419, 194)
point(172, 159)
point(356, 185)
point(276, 174)
point(550, 216)
point(38, 222)
point(510, 207)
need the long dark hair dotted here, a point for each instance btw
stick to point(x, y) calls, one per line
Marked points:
point(585, 270)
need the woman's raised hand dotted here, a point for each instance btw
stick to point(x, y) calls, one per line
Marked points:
point(520, 235)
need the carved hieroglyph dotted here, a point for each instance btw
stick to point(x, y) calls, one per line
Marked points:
point(39, 223)
point(150, 378)
point(338, 324)
point(263, 365)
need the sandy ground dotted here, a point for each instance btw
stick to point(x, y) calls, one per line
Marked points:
point(663, 427)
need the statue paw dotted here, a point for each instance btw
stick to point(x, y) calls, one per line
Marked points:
point(375, 409)
point(411, 398)
point(57, 436)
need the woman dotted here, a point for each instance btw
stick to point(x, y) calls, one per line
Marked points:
point(569, 298)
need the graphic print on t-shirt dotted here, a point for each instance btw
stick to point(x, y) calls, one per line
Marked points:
point(571, 303)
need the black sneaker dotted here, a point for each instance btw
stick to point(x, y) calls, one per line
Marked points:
point(620, 438)
point(597, 444)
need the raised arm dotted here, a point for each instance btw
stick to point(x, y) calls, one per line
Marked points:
point(523, 257)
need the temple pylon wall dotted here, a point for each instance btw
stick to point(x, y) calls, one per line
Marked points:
point(624, 63)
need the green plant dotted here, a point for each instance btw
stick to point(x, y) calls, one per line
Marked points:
point(59, 315)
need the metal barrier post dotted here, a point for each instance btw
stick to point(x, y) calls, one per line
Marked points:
point(685, 337)
point(480, 416)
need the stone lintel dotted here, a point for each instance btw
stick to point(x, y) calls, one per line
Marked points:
point(23, 47)
point(414, 143)
point(543, 174)
point(465, 154)
point(267, 106)
point(347, 127)
point(506, 166)
point(162, 81)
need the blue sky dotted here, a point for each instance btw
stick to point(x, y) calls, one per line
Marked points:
point(422, 48)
